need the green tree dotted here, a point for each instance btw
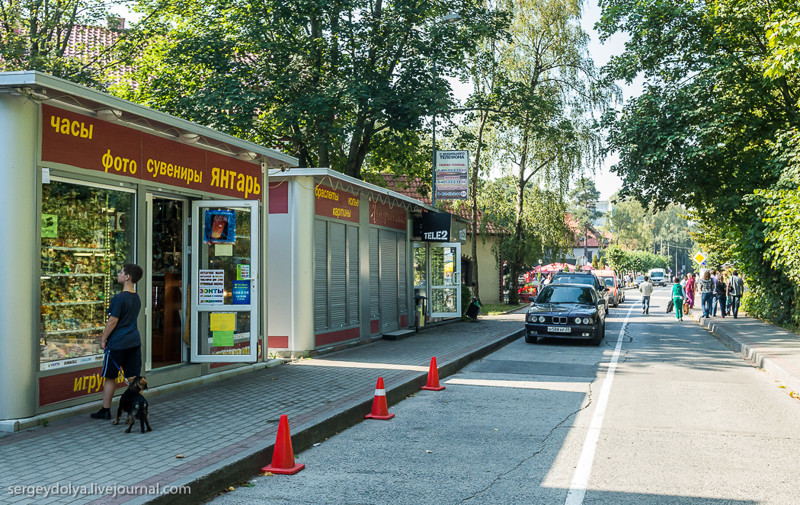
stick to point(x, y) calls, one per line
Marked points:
point(326, 76)
point(584, 208)
point(630, 224)
point(711, 129)
point(40, 35)
point(549, 92)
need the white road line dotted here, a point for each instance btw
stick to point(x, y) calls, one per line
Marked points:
point(580, 479)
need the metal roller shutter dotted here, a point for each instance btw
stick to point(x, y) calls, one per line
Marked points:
point(388, 287)
point(402, 281)
point(320, 275)
point(352, 275)
point(337, 295)
point(374, 276)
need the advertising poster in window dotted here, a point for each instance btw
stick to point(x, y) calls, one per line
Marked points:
point(220, 226)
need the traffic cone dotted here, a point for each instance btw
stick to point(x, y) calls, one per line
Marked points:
point(282, 454)
point(379, 408)
point(433, 378)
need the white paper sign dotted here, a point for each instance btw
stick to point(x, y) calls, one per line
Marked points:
point(211, 287)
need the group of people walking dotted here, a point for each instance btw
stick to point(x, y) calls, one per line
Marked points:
point(718, 290)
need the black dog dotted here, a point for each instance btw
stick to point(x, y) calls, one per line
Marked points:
point(132, 399)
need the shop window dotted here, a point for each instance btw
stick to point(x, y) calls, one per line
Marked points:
point(87, 235)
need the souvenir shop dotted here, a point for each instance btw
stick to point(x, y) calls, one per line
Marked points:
point(91, 182)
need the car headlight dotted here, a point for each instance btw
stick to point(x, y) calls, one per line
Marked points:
point(541, 319)
point(587, 320)
point(578, 320)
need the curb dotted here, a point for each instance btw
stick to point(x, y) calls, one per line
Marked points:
point(750, 354)
point(208, 482)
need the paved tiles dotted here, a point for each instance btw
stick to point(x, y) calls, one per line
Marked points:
point(227, 428)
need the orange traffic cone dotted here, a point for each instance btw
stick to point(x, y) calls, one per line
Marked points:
point(282, 454)
point(433, 377)
point(379, 408)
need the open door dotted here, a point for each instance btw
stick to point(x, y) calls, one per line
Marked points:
point(445, 279)
point(224, 317)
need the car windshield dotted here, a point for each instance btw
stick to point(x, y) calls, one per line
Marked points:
point(574, 279)
point(609, 281)
point(657, 274)
point(566, 294)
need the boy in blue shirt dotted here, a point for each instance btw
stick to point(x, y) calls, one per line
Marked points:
point(121, 339)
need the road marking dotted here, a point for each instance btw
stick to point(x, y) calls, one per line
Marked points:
point(580, 478)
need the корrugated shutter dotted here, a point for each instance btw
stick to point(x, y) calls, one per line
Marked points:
point(352, 275)
point(320, 275)
point(337, 294)
point(402, 282)
point(374, 276)
point(388, 287)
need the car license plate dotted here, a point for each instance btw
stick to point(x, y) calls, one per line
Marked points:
point(559, 329)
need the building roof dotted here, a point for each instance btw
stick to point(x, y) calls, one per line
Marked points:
point(594, 237)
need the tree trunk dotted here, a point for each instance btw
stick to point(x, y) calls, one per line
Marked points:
point(516, 261)
point(474, 196)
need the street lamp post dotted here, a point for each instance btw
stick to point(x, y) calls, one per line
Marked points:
point(448, 19)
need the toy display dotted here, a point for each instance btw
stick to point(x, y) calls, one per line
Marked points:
point(85, 241)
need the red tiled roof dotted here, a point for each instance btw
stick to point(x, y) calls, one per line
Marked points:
point(592, 241)
point(416, 188)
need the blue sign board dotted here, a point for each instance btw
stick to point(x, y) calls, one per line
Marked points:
point(241, 292)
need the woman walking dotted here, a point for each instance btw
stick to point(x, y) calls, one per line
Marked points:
point(706, 293)
point(677, 298)
point(690, 286)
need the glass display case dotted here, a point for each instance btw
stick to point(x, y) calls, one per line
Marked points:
point(86, 238)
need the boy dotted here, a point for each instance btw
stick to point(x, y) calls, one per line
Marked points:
point(121, 340)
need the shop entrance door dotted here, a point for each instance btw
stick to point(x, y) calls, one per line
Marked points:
point(445, 278)
point(224, 289)
point(165, 289)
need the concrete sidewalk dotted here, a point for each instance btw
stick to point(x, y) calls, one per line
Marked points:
point(221, 433)
point(766, 346)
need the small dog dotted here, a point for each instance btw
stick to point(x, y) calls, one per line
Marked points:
point(133, 400)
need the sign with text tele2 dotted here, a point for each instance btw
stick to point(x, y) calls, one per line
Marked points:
point(451, 175)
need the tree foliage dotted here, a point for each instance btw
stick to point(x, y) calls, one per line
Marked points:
point(40, 35)
point(327, 77)
point(713, 127)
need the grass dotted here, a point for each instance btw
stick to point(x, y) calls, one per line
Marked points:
point(491, 309)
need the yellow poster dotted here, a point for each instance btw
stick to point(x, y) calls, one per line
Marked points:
point(223, 321)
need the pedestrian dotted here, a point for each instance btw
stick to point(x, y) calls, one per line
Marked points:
point(646, 289)
point(690, 286)
point(735, 290)
point(706, 293)
point(720, 289)
point(714, 299)
point(677, 298)
point(121, 340)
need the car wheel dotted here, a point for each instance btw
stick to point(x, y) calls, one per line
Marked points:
point(600, 333)
point(531, 339)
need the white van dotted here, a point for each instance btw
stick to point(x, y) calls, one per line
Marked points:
point(657, 276)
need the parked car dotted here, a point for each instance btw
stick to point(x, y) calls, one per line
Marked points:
point(586, 278)
point(639, 280)
point(621, 289)
point(614, 291)
point(571, 311)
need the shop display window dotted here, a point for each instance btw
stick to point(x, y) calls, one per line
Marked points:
point(87, 235)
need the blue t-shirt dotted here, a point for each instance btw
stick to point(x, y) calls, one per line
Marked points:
point(125, 307)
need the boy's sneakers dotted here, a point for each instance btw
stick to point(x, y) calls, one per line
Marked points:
point(103, 413)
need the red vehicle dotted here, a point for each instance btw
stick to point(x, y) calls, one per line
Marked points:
point(609, 280)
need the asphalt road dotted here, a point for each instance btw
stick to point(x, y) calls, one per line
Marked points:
point(661, 413)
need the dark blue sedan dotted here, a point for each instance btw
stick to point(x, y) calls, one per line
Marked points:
point(566, 311)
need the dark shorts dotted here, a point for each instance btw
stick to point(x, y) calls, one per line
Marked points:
point(129, 360)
